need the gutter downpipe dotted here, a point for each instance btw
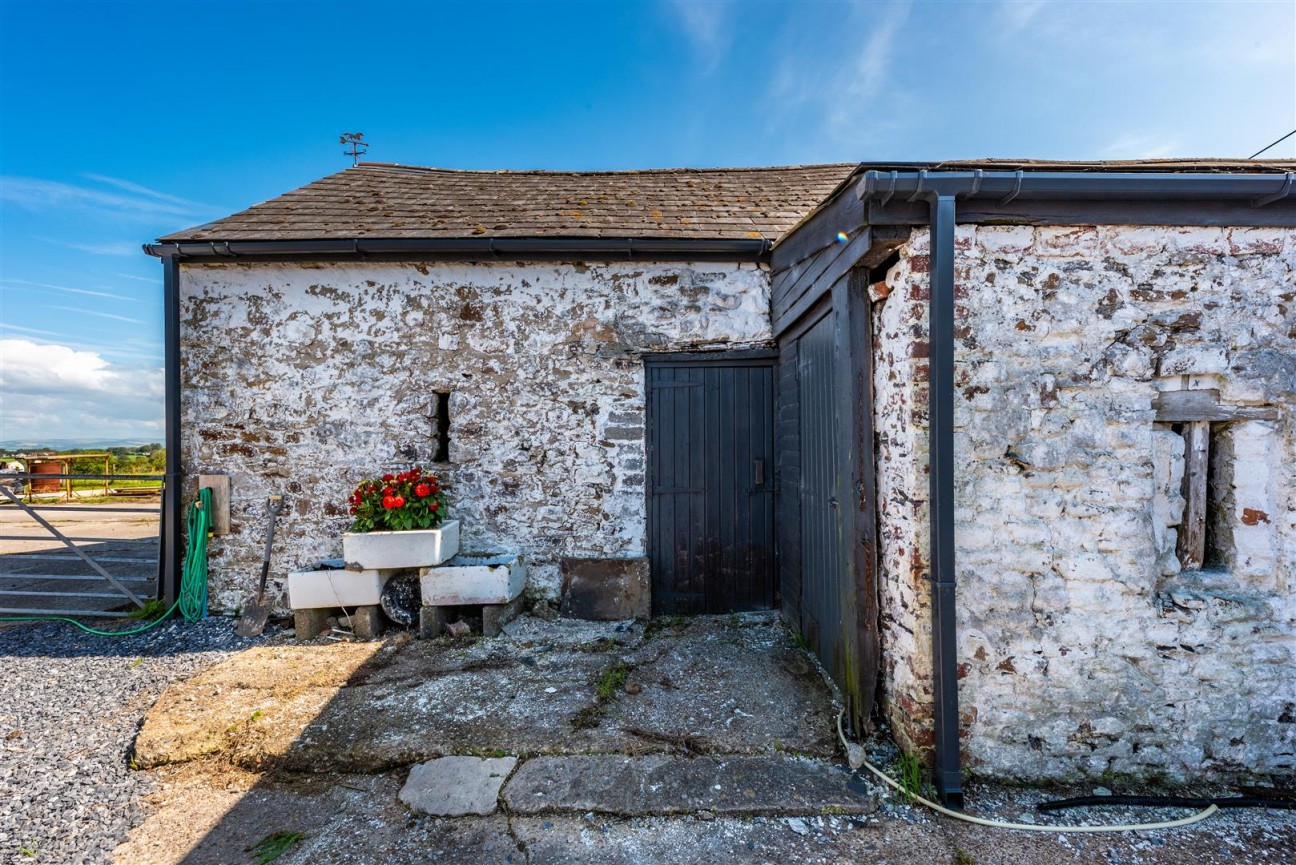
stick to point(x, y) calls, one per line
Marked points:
point(947, 772)
point(940, 189)
point(171, 551)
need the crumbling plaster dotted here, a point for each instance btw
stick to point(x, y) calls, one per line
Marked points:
point(301, 379)
point(1081, 649)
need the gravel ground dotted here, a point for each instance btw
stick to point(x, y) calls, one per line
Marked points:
point(70, 706)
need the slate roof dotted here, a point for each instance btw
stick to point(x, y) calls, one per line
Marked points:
point(378, 200)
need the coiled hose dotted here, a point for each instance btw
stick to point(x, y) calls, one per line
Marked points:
point(192, 602)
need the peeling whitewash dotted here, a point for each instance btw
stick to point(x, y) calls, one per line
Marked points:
point(301, 379)
point(1083, 649)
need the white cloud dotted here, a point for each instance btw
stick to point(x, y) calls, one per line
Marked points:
point(123, 248)
point(49, 390)
point(838, 88)
point(706, 26)
point(1142, 147)
point(44, 195)
point(149, 193)
point(47, 288)
point(107, 315)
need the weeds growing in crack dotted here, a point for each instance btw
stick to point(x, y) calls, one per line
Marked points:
point(608, 687)
point(274, 845)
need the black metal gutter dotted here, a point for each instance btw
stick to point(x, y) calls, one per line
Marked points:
point(479, 249)
point(940, 191)
point(1259, 189)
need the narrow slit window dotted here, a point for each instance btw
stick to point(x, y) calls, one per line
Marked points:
point(441, 427)
point(1196, 493)
point(1205, 532)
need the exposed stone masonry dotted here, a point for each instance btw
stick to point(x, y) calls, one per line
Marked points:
point(1082, 648)
point(302, 379)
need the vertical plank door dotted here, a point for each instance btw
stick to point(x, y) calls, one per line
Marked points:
point(711, 482)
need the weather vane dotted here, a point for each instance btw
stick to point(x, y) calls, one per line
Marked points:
point(355, 141)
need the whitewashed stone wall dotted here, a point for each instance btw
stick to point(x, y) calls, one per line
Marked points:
point(1082, 648)
point(302, 379)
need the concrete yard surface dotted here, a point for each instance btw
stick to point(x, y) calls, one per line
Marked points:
point(700, 740)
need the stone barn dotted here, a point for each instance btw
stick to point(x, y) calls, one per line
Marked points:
point(1010, 445)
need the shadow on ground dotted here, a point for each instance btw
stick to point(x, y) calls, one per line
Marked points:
point(711, 739)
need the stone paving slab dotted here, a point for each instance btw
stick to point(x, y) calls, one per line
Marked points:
point(660, 784)
point(758, 841)
point(456, 786)
point(718, 686)
point(513, 707)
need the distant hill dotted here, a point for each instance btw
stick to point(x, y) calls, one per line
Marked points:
point(71, 444)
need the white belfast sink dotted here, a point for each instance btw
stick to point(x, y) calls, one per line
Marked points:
point(473, 579)
point(325, 589)
point(416, 548)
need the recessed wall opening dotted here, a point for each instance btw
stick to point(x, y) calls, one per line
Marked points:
point(441, 427)
point(1220, 499)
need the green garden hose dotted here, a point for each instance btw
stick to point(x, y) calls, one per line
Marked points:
point(192, 602)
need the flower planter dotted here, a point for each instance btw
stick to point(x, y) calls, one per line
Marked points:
point(474, 579)
point(338, 587)
point(416, 548)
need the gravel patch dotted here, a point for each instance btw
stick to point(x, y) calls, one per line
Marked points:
point(71, 704)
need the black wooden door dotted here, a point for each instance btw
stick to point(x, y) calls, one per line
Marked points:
point(824, 497)
point(711, 482)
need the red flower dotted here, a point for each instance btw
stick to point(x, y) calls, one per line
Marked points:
point(422, 491)
point(398, 501)
point(389, 502)
point(388, 478)
point(389, 491)
point(434, 506)
point(353, 511)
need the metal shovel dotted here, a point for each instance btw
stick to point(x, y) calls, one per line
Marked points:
point(256, 609)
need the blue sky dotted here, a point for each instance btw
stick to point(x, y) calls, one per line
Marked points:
point(122, 121)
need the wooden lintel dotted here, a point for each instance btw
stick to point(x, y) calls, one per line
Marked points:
point(883, 246)
point(1183, 406)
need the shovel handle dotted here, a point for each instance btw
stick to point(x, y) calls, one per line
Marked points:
point(275, 505)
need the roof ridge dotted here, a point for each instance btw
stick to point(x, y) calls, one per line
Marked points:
point(547, 172)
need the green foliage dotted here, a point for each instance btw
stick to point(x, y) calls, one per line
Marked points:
point(663, 623)
point(274, 845)
point(963, 857)
point(910, 776)
point(614, 678)
point(151, 610)
point(398, 502)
